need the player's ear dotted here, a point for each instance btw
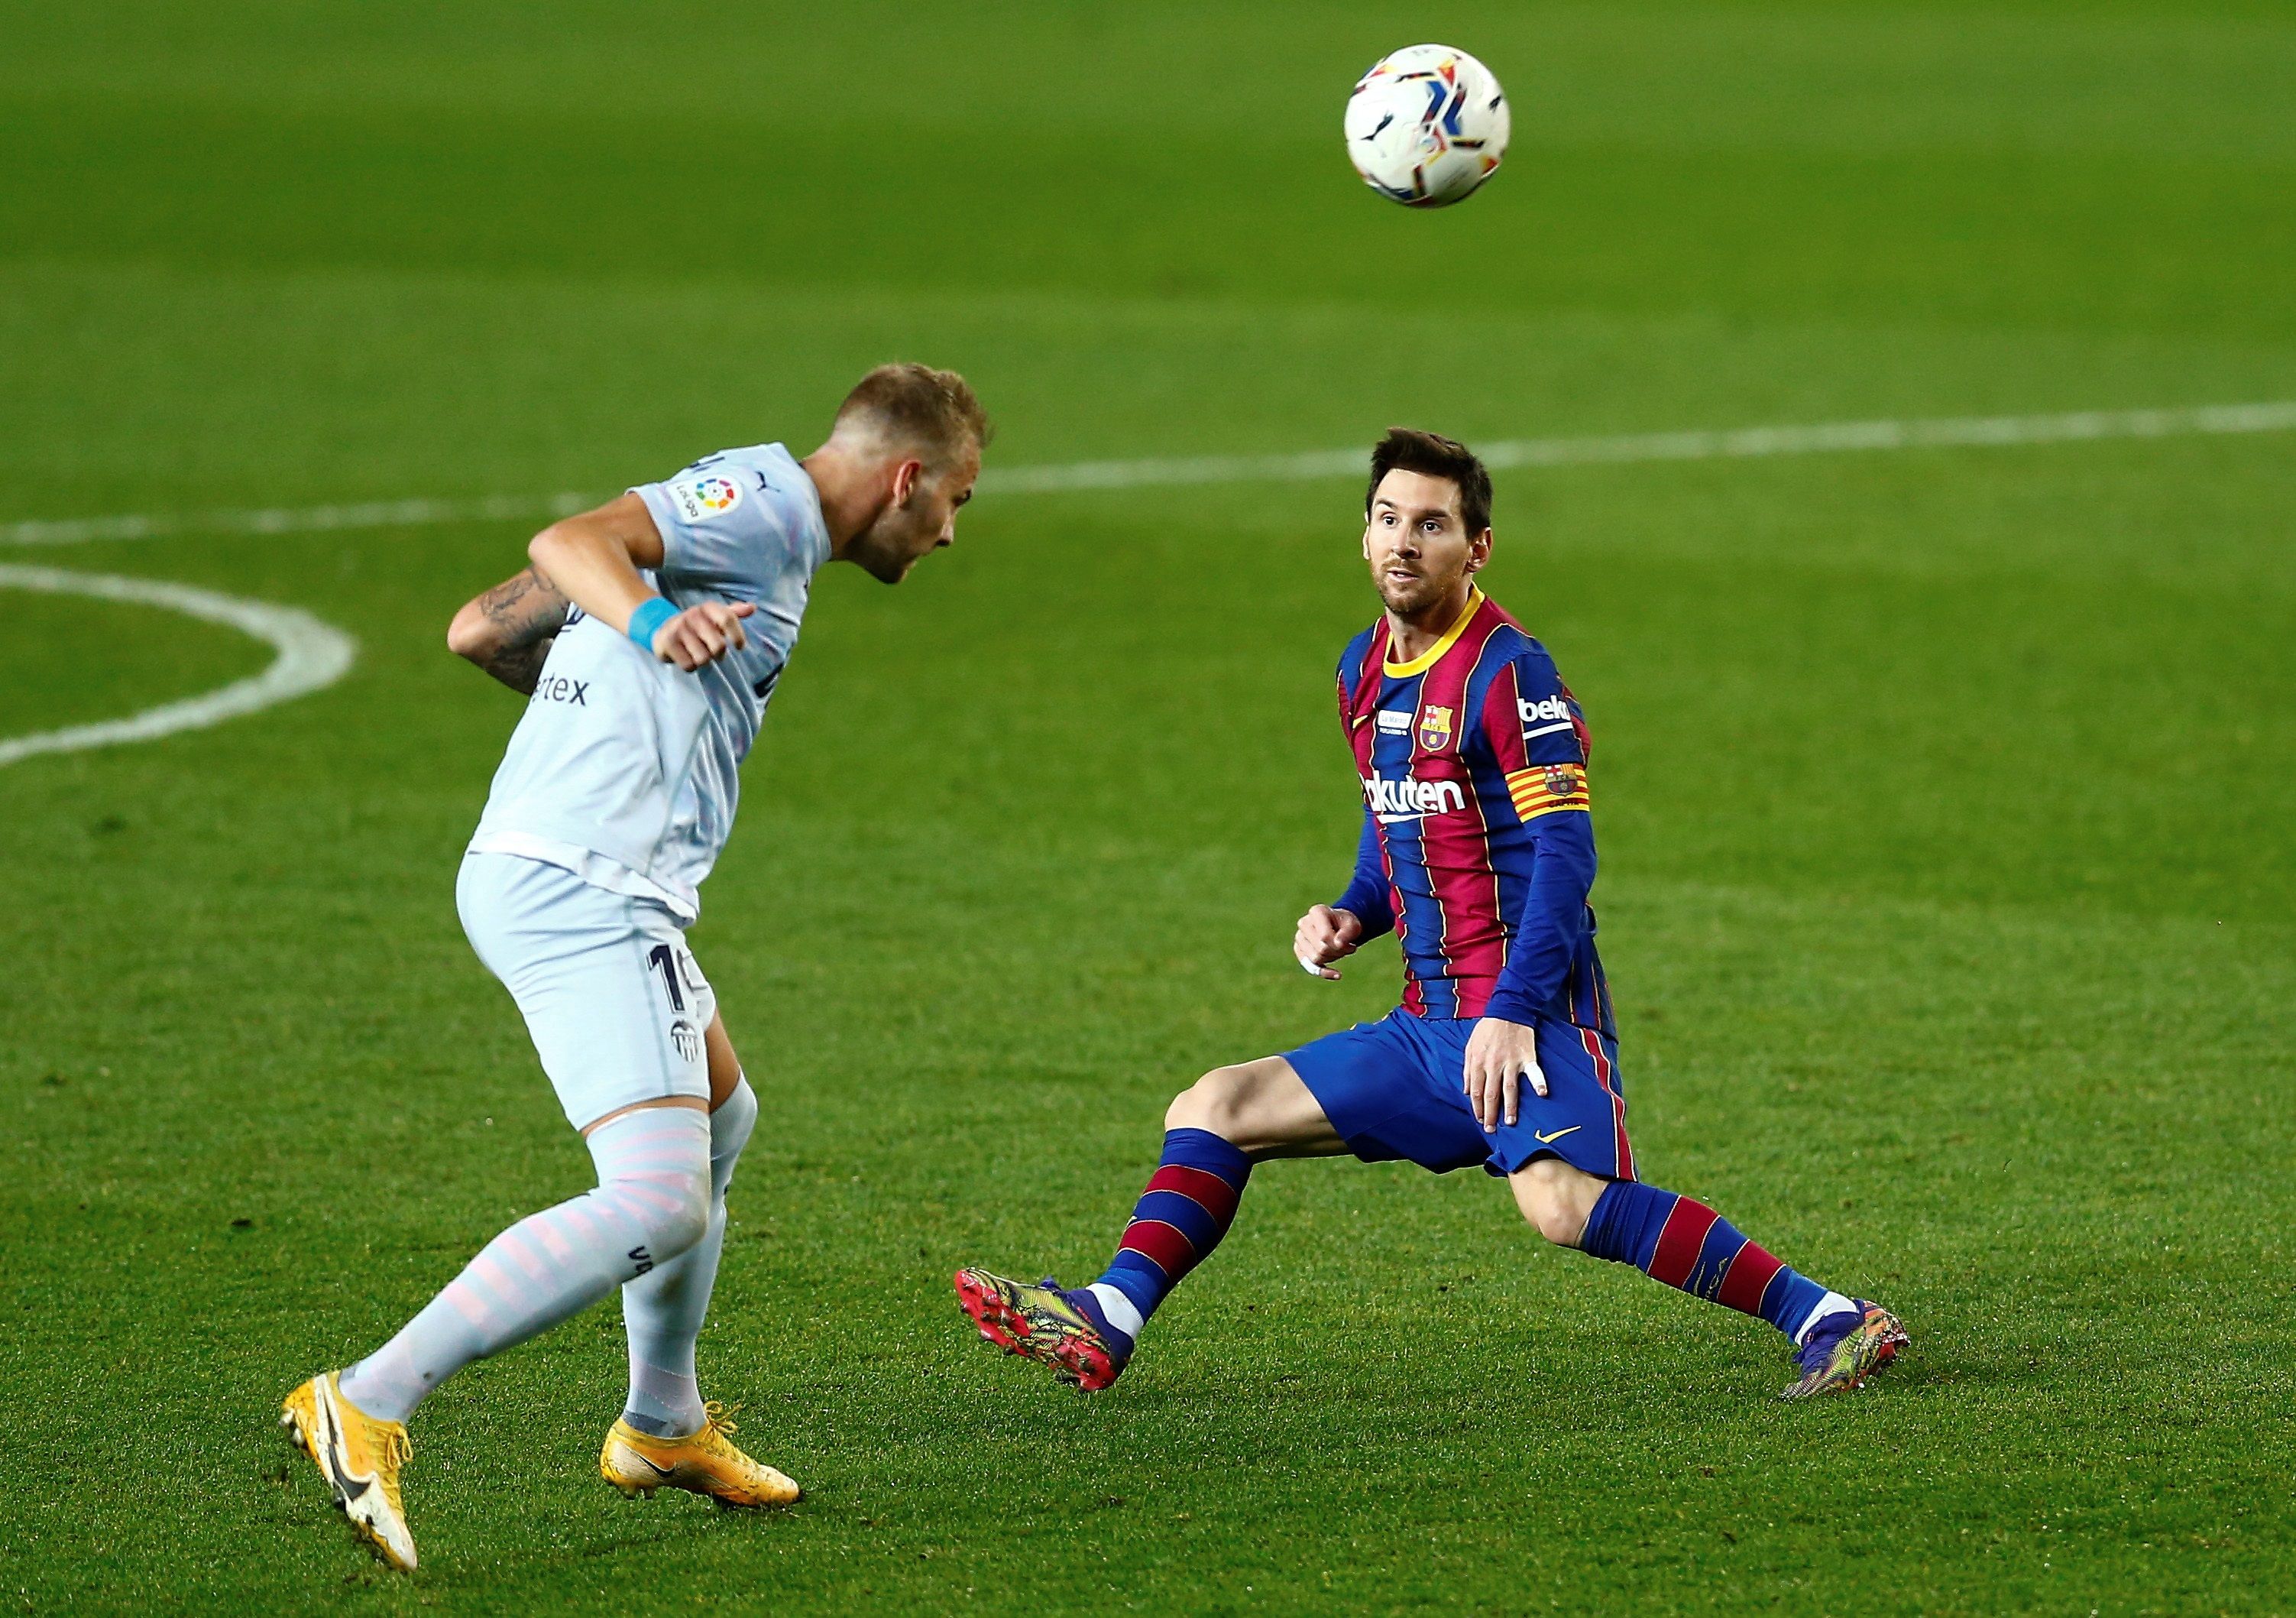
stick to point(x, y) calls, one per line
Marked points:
point(904, 480)
point(1479, 551)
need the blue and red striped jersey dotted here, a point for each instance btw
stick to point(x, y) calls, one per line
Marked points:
point(1478, 846)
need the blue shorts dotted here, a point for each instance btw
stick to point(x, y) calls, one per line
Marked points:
point(1394, 1088)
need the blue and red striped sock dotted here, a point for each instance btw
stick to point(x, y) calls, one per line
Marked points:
point(1186, 1209)
point(1682, 1242)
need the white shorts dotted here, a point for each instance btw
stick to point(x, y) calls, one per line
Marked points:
point(610, 994)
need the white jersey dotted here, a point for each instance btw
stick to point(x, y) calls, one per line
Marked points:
point(626, 770)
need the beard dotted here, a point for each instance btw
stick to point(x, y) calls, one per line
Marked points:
point(1406, 598)
point(882, 550)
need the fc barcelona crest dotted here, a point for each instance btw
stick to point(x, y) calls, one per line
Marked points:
point(1435, 728)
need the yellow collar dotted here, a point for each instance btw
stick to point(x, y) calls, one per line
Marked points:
point(1426, 659)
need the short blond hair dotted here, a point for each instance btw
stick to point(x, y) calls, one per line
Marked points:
point(935, 410)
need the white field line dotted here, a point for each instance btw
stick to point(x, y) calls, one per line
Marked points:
point(1736, 444)
point(1743, 443)
point(292, 520)
point(312, 655)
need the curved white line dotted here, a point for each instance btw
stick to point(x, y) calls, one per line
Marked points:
point(1743, 443)
point(312, 655)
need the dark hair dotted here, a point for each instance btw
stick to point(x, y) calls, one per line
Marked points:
point(1408, 449)
point(935, 410)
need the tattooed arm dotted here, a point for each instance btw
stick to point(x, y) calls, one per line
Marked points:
point(508, 631)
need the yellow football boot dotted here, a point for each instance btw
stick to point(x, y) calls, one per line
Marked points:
point(703, 1463)
point(360, 1457)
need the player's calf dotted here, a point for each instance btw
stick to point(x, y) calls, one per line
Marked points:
point(651, 1205)
point(1840, 1340)
point(663, 1310)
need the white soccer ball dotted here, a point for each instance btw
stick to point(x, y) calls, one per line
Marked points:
point(1427, 124)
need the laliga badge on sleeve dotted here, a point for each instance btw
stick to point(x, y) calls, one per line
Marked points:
point(699, 499)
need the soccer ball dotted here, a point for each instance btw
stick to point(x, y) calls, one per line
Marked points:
point(1426, 126)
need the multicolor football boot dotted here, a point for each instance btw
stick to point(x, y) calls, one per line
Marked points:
point(1045, 1324)
point(360, 1457)
point(701, 1463)
point(1845, 1348)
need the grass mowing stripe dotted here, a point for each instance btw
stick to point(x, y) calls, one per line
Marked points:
point(1695, 444)
point(1743, 443)
point(312, 655)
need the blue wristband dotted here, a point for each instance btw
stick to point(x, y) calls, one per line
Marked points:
point(646, 622)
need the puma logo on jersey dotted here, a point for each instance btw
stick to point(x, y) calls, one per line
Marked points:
point(1409, 798)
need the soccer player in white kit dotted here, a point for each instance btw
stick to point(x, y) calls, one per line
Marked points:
point(649, 635)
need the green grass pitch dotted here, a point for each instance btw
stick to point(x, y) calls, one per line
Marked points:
point(1945, 796)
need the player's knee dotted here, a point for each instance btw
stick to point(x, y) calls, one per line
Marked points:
point(669, 1204)
point(1559, 1223)
point(1214, 1103)
point(682, 1217)
point(1192, 1108)
point(1553, 1199)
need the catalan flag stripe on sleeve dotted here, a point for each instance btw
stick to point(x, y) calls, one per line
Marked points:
point(1544, 788)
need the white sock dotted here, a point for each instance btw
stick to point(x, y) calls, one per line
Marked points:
point(663, 1310)
point(1832, 1303)
point(1122, 1313)
point(651, 1204)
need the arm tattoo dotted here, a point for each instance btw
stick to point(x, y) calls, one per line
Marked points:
point(521, 667)
point(527, 612)
point(526, 608)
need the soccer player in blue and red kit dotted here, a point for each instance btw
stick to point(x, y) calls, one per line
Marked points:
point(1478, 852)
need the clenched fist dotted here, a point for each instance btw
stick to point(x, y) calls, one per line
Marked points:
point(1325, 935)
point(702, 634)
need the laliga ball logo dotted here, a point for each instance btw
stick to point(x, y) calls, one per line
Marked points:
point(699, 499)
point(1427, 125)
